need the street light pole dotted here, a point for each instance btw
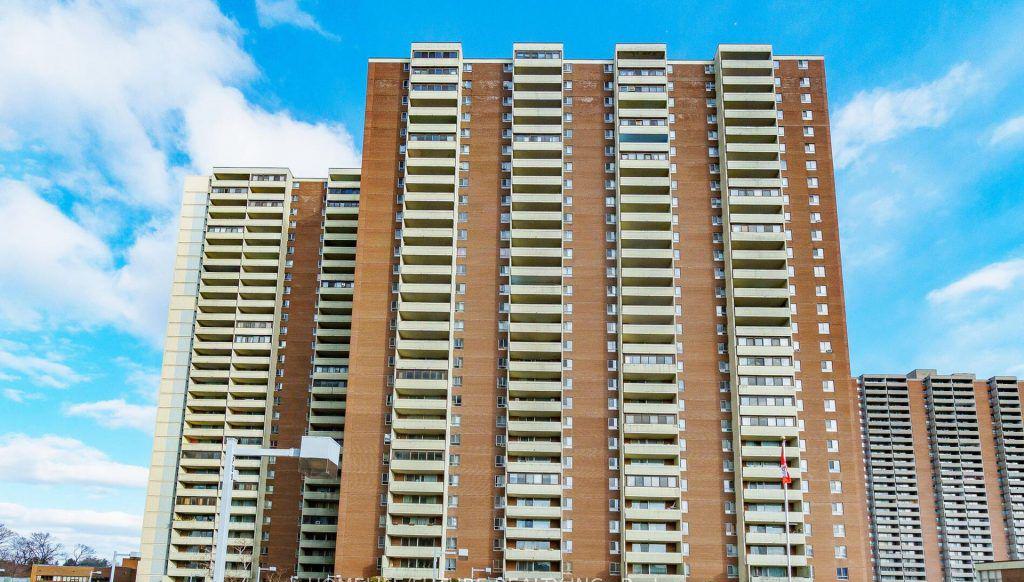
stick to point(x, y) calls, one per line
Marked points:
point(317, 456)
point(439, 558)
point(113, 564)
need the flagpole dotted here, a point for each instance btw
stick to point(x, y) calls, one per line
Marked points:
point(785, 507)
point(785, 498)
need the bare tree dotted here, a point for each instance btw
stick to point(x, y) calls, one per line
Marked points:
point(7, 539)
point(37, 548)
point(240, 559)
point(244, 562)
point(79, 555)
point(272, 576)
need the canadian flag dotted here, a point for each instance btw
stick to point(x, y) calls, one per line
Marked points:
point(786, 479)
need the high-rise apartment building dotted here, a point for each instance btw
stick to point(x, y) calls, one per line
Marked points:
point(945, 471)
point(257, 349)
point(592, 308)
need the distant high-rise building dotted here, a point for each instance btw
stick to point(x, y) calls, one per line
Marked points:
point(945, 470)
point(593, 309)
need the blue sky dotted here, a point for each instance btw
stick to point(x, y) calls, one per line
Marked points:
point(106, 105)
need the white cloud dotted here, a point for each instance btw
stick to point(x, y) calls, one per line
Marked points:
point(114, 102)
point(995, 277)
point(53, 459)
point(974, 324)
point(1011, 129)
point(879, 115)
point(272, 13)
point(19, 396)
point(16, 362)
point(106, 531)
point(225, 130)
point(116, 414)
point(68, 274)
point(144, 381)
point(98, 82)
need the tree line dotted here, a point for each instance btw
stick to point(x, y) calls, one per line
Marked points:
point(43, 548)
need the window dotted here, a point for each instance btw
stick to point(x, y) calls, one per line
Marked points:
point(833, 466)
point(801, 64)
point(831, 425)
point(842, 573)
point(812, 182)
point(805, 97)
point(808, 131)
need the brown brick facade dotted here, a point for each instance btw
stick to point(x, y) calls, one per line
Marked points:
point(590, 557)
point(479, 392)
point(359, 507)
point(802, 224)
point(291, 401)
point(705, 455)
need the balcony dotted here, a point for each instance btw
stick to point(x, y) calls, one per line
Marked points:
point(416, 509)
point(534, 427)
point(532, 512)
point(413, 530)
point(394, 573)
point(533, 533)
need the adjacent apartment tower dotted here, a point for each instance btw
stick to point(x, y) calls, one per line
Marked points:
point(571, 319)
point(945, 467)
